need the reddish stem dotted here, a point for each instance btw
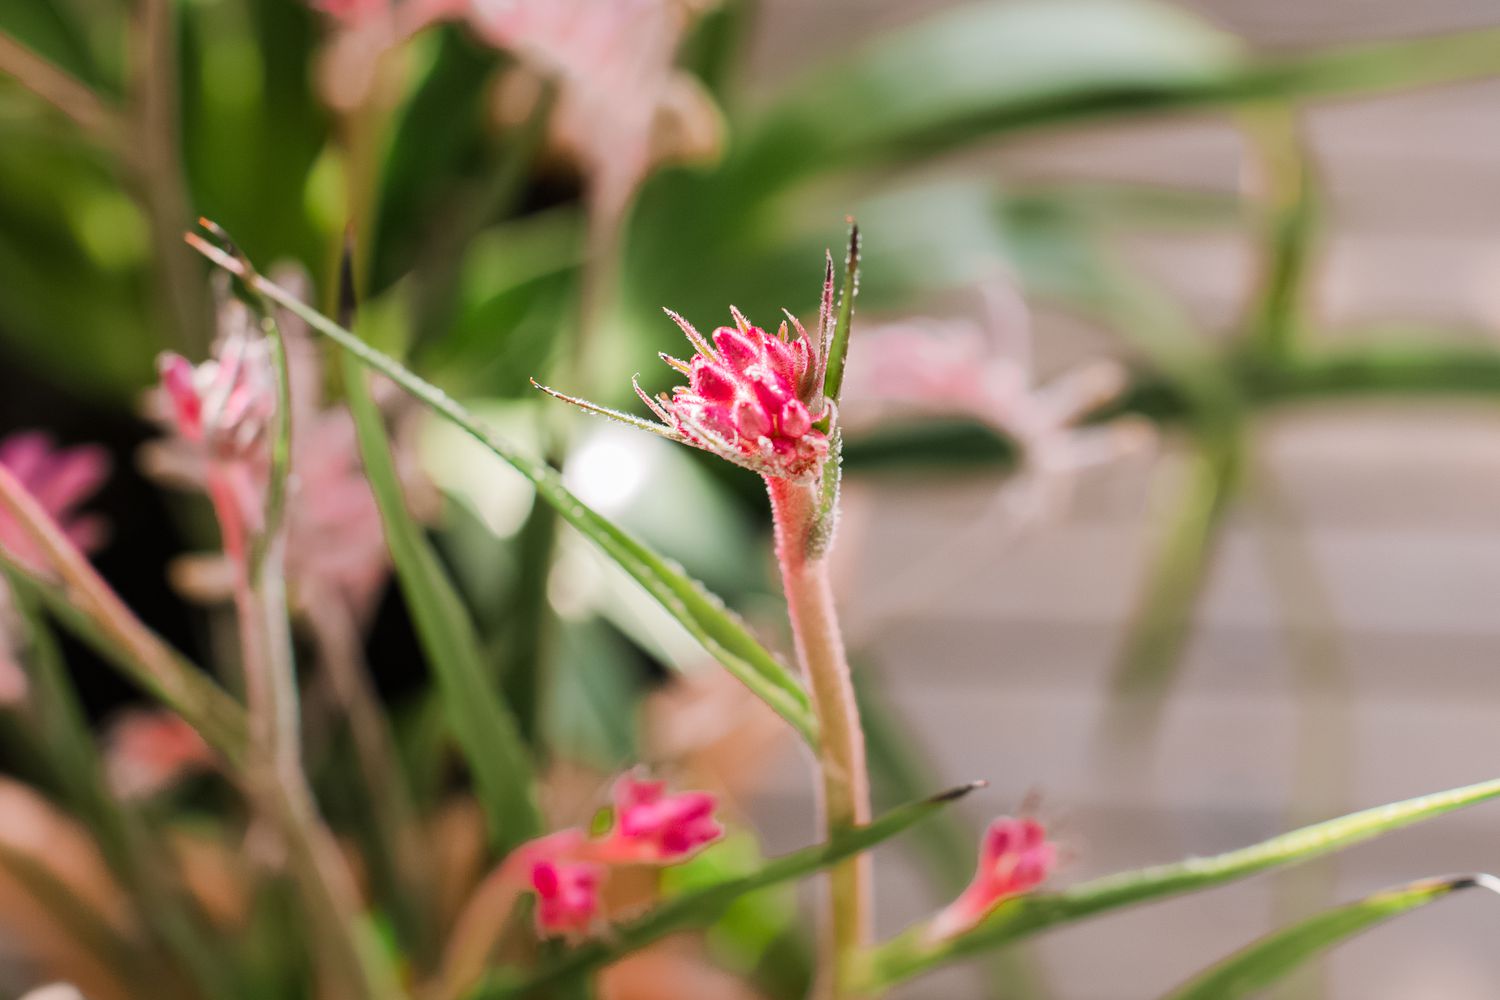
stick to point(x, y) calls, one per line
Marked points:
point(841, 754)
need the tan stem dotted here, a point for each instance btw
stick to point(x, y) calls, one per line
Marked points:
point(841, 755)
point(61, 90)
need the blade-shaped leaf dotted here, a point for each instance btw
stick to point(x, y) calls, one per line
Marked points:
point(916, 952)
point(980, 70)
point(702, 907)
point(1271, 958)
point(700, 612)
point(486, 731)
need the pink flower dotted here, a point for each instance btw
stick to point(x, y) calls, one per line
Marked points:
point(655, 827)
point(225, 404)
point(621, 105)
point(336, 552)
point(567, 869)
point(1015, 857)
point(60, 479)
point(567, 895)
point(149, 750)
point(985, 371)
point(752, 398)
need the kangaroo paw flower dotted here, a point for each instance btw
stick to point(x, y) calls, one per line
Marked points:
point(752, 398)
point(1015, 857)
point(654, 826)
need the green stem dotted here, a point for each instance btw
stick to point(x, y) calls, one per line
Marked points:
point(158, 176)
point(61, 90)
point(841, 752)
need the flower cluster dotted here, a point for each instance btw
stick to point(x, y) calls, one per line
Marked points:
point(753, 398)
point(750, 398)
point(567, 869)
point(220, 413)
point(1015, 857)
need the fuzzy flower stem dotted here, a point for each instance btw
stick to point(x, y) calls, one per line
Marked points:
point(820, 650)
point(274, 775)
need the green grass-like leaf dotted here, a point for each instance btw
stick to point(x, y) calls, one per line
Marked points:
point(1268, 960)
point(486, 731)
point(702, 907)
point(687, 600)
point(914, 953)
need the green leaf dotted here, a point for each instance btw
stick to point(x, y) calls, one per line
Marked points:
point(954, 77)
point(700, 612)
point(984, 69)
point(838, 348)
point(144, 657)
point(701, 907)
point(1273, 957)
point(486, 731)
point(914, 952)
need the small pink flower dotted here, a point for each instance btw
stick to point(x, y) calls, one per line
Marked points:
point(619, 94)
point(653, 826)
point(1015, 857)
point(567, 869)
point(567, 895)
point(60, 479)
point(336, 556)
point(225, 404)
point(985, 370)
point(752, 398)
point(147, 751)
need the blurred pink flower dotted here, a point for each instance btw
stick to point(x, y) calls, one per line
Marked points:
point(567, 869)
point(149, 750)
point(335, 539)
point(567, 895)
point(752, 399)
point(985, 371)
point(1015, 857)
point(621, 106)
point(60, 479)
point(653, 826)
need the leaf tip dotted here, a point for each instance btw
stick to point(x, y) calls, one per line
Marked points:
point(959, 791)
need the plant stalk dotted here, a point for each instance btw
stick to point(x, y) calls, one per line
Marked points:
point(841, 753)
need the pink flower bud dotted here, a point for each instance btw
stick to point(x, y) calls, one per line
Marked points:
point(652, 826)
point(1015, 857)
point(567, 895)
point(743, 401)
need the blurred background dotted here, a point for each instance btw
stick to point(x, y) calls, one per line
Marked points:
point(1209, 553)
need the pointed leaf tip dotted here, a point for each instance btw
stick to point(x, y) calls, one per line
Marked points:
point(959, 791)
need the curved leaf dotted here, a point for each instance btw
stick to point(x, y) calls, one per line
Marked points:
point(916, 952)
point(486, 730)
point(1268, 960)
point(702, 907)
point(700, 612)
